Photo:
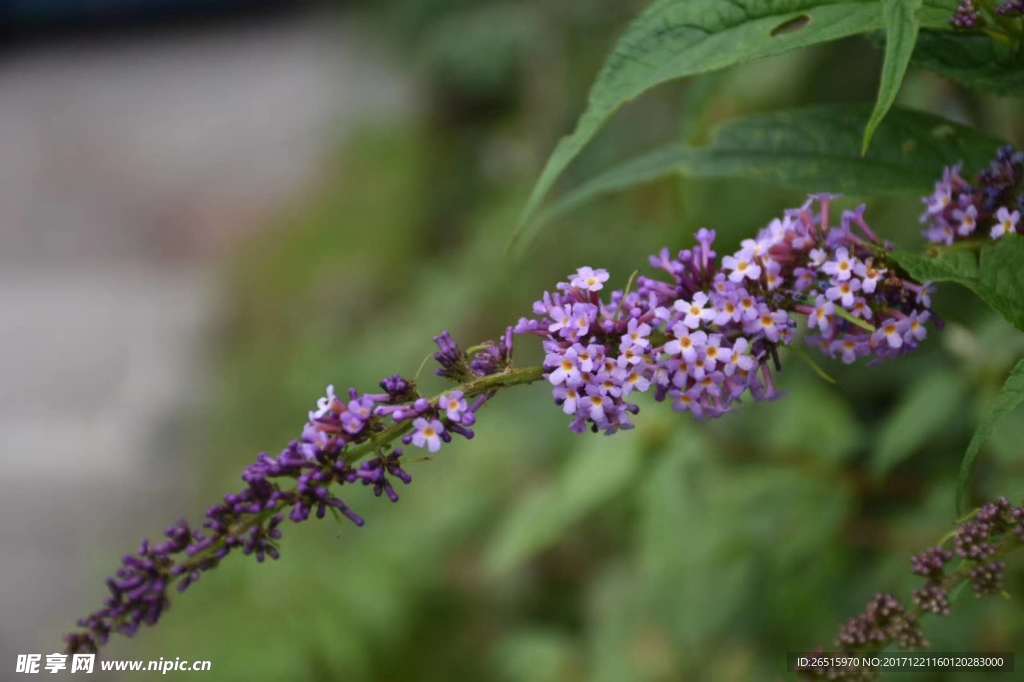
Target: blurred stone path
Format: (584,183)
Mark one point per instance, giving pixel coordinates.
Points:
(128,166)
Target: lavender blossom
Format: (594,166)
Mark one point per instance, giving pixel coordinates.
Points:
(711,334)
(990,206)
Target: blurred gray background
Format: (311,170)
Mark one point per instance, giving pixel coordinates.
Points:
(132,158)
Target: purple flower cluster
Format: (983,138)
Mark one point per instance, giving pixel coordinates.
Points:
(321,460)
(969,16)
(1011,8)
(884,621)
(991,206)
(711,334)
(977,542)
(966,15)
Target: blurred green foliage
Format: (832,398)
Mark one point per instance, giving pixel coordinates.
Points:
(682,550)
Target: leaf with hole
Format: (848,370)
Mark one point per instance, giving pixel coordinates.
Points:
(674,39)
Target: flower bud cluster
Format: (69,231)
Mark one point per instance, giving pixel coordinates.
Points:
(976,542)
(316,464)
(968,15)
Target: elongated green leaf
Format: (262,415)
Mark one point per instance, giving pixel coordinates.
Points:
(677,38)
(973,61)
(1010,396)
(813,149)
(994,271)
(901,28)
(926,408)
(593,475)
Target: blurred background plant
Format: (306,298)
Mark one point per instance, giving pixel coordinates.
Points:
(679,551)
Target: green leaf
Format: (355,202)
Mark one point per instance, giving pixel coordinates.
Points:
(591,476)
(994,271)
(1010,396)
(971,60)
(674,39)
(677,38)
(901,28)
(811,149)
(708,536)
(812,420)
(926,408)
(534,655)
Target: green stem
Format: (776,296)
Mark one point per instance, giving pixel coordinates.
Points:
(846,315)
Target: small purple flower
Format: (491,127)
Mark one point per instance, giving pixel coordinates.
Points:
(561,316)
(845,292)
(772,324)
(917,330)
(564,367)
(568,397)
(636,335)
(842,267)
(869,274)
(740,359)
(967,220)
(695,310)
(742,267)
(589,279)
(427,434)
(685,342)
(715,353)
(821,317)
(594,404)
(1006,223)
(889,333)
(453,404)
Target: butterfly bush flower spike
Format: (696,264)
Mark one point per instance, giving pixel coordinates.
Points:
(702,336)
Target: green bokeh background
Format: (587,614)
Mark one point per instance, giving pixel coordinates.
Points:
(680,551)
